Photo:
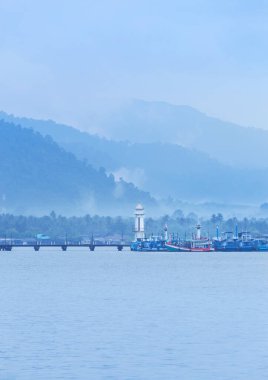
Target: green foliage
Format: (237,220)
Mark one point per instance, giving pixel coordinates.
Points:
(37,175)
(57,226)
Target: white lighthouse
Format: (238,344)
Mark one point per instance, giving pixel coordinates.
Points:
(198,231)
(139,222)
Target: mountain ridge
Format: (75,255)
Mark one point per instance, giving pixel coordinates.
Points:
(163,169)
(152,121)
(141,121)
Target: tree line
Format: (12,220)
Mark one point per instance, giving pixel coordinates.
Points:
(58,226)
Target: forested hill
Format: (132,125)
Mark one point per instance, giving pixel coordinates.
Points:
(38,176)
(163,169)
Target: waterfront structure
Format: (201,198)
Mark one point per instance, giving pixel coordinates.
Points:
(139,222)
(166,232)
(141,243)
(198,231)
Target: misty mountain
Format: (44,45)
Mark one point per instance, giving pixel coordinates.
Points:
(146,122)
(38,176)
(163,169)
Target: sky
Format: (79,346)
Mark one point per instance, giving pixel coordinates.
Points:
(65,60)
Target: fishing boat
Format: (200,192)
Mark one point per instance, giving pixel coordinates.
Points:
(152,244)
(239,242)
(197,244)
(261,244)
(202,245)
(228,242)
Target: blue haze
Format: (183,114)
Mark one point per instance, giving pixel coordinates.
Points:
(187,171)
(61,60)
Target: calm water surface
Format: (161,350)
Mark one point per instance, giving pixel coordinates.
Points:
(110,315)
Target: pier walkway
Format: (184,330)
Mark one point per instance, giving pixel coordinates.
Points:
(64,247)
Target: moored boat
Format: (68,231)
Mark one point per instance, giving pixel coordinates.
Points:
(153,244)
(190,246)
(197,244)
(261,244)
(239,242)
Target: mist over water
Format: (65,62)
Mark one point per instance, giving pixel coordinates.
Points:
(110,315)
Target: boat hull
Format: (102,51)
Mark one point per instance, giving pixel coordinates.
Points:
(148,246)
(175,248)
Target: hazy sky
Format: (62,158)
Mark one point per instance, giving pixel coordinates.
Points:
(61,59)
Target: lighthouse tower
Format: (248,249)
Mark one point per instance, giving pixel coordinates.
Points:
(139,222)
(198,231)
(166,232)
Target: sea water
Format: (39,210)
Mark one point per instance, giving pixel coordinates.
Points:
(110,315)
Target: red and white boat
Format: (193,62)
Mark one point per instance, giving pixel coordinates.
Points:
(198,244)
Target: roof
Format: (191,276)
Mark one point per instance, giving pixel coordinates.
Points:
(139,207)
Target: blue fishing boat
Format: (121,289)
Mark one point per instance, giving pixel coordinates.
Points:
(152,244)
(246,242)
(261,244)
(239,242)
